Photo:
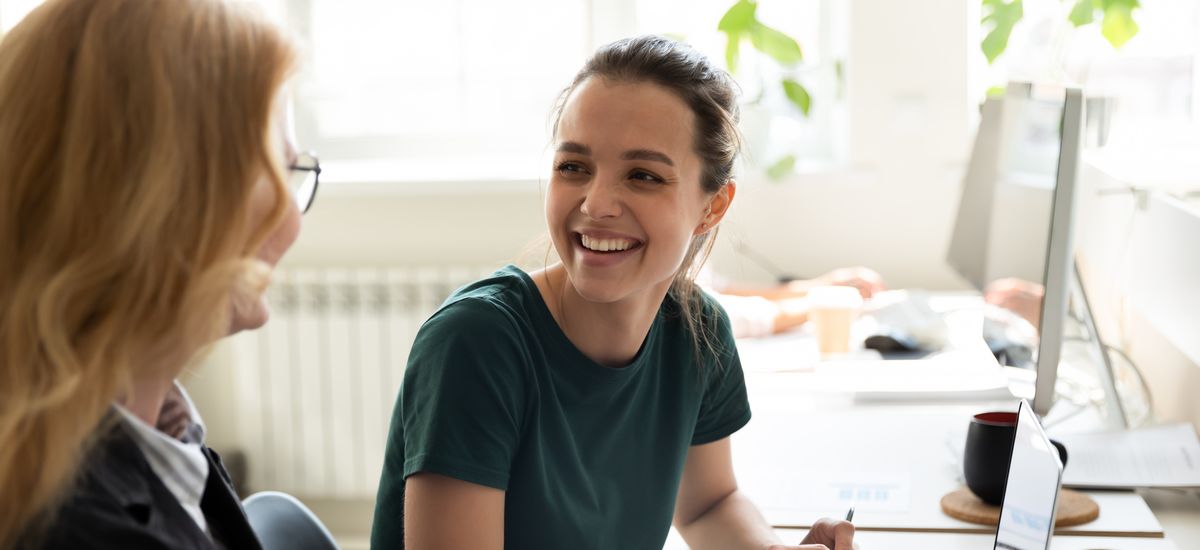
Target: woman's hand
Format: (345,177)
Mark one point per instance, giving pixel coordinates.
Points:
(866,280)
(826,534)
(1021,297)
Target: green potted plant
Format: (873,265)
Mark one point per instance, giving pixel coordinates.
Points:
(1114,16)
(742,27)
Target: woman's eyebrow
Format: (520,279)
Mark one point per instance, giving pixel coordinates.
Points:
(632,154)
(573,147)
(647,154)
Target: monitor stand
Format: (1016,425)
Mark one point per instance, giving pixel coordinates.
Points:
(1115,414)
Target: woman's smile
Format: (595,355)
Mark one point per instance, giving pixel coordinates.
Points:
(604,249)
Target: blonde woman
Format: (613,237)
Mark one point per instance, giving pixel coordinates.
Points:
(146,196)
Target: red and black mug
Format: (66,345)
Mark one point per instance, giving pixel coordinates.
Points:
(988,451)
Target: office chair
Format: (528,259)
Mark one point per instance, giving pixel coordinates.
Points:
(283,522)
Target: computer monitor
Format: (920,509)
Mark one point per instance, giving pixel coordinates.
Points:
(1060,257)
(1018,200)
(968,243)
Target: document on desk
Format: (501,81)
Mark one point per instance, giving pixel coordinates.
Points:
(783,493)
(1157,456)
(916,380)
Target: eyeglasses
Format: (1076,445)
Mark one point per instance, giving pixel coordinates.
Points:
(303,180)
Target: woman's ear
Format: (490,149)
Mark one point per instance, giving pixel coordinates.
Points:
(717,206)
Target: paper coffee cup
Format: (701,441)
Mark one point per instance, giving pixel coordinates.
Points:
(832,310)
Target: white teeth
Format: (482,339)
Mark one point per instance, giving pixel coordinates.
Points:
(605,245)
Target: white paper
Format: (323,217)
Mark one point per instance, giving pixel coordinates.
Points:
(1158,456)
(831,495)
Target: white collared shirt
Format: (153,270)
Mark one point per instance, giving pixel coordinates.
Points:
(181,465)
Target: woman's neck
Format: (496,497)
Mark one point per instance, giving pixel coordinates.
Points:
(610,333)
(148,392)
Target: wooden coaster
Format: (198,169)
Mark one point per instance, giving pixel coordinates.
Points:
(1074,508)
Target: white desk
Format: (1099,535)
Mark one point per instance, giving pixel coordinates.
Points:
(807,455)
(878,540)
(808,452)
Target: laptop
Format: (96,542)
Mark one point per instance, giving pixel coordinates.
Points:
(1031,488)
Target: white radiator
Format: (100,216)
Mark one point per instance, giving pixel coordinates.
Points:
(316,385)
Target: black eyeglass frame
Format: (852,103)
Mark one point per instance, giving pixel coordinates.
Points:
(315,169)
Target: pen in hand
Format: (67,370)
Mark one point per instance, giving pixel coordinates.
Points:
(850,518)
(830,532)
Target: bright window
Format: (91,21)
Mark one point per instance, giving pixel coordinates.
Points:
(434,90)
(1153,75)
(465,89)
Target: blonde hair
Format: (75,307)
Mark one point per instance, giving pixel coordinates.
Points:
(131,135)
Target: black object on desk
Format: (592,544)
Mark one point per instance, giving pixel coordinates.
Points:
(892,341)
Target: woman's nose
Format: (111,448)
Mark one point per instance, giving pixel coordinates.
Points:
(602,200)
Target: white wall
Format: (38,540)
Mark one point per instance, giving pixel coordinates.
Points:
(1140,257)
(419,224)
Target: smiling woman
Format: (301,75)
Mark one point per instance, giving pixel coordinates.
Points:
(590,404)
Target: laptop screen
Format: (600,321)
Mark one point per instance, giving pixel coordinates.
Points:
(1031,491)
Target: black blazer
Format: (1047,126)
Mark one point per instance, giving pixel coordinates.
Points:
(118,502)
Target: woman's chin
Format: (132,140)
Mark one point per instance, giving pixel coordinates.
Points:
(250,318)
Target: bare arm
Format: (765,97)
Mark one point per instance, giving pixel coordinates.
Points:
(867,281)
(790,310)
(792,313)
(711,512)
(445,513)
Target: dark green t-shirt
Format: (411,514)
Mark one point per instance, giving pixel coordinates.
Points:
(588,456)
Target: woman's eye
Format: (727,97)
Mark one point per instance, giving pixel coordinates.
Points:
(645,176)
(570,168)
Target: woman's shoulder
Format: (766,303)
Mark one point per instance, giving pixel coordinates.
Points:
(701,328)
(493,320)
(704,307)
(116,501)
(710,307)
(480,335)
(498,301)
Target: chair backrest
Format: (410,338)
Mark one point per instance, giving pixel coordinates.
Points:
(283,522)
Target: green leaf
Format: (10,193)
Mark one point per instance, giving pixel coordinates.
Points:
(780,46)
(996,91)
(796,93)
(1003,15)
(1104,5)
(740,17)
(1083,13)
(781,167)
(1118,25)
(733,51)
(839,71)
